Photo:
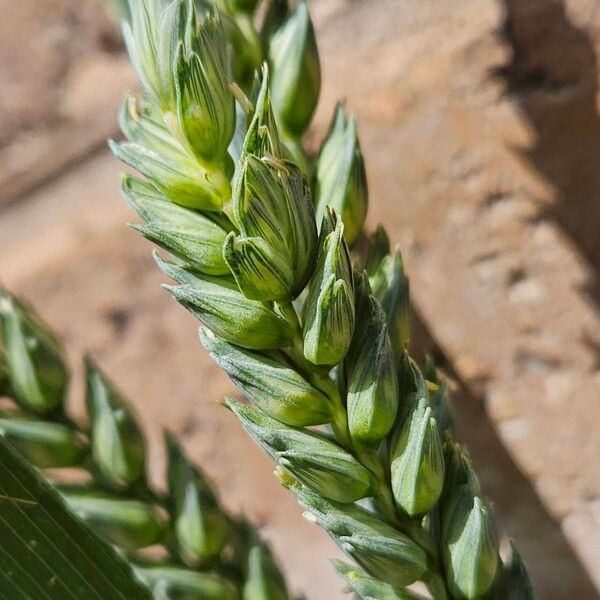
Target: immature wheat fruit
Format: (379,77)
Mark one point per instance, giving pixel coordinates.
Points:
(211,555)
(261,257)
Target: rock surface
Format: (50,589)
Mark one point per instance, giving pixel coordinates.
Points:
(61,73)
(459,169)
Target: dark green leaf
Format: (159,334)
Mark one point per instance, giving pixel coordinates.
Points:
(48,553)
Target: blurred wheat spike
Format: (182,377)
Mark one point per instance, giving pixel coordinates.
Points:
(197,550)
(313,335)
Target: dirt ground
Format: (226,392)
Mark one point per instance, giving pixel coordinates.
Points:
(479,122)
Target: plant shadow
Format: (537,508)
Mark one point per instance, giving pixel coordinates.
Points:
(553,77)
(553,565)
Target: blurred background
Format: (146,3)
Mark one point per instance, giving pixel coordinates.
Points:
(480,123)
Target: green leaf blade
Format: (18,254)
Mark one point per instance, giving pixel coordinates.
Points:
(47,552)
